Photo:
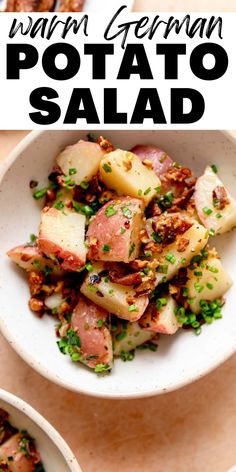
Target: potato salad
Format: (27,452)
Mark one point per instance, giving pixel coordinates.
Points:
(18,452)
(125,250)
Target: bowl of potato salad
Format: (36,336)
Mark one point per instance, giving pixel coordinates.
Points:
(117,256)
(28,443)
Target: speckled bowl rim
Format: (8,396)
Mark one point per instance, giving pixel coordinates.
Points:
(41,369)
(44,425)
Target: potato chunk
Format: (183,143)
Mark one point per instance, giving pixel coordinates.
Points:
(88,321)
(115,298)
(15,457)
(171,259)
(128,337)
(207,281)
(113,234)
(161,320)
(61,237)
(158,158)
(30,258)
(215,206)
(124,172)
(83,157)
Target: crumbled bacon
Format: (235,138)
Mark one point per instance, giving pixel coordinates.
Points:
(178,175)
(105,144)
(182,243)
(120,274)
(182,201)
(36,280)
(153,209)
(220,197)
(170,226)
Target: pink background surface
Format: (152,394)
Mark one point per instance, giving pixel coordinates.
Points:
(192,429)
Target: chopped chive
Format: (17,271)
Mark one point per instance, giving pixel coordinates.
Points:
(156,237)
(218,215)
(122,230)
(198,273)
(207,211)
(158,189)
(72,171)
(59,205)
(33,238)
(147,191)
(110,211)
(185,291)
(40,193)
(160,303)
(211,232)
(140,192)
(199,288)
(170,258)
(84,185)
(131,249)
(126,212)
(213,269)
(182,260)
(214,168)
(89,267)
(121,335)
(106,248)
(132,308)
(107,168)
(100,323)
(101,368)
(210,286)
(162,269)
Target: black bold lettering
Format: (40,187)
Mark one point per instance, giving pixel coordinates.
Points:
(40,98)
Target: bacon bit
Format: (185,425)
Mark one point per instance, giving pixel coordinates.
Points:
(220,197)
(181,244)
(127,280)
(107,195)
(178,175)
(144,236)
(35,281)
(64,308)
(93,248)
(148,163)
(146,287)
(138,264)
(90,197)
(182,201)
(51,195)
(35,304)
(130,300)
(191,207)
(153,209)
(173,289)
(127,164)
(105,144)
(63,330)
(170,226)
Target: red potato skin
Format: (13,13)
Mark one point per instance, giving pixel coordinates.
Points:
(20,462)
(155,155)
(25,256)
(106,231)
(69,261)
(95,341)
(149,320)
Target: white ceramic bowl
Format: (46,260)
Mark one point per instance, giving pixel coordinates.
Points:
(180,359)
(55,454)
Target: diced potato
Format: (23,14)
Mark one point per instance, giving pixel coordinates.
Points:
(159,159)
(88,321)
(215,213)
(29,258)
(171,260)
(124,172)
(163,320)
(134,336)
(61,237)
(114,233)
(207,283)
(115,298)
(83,157)
(15,458)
